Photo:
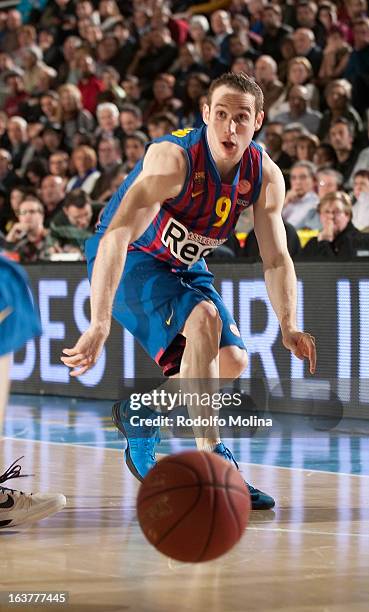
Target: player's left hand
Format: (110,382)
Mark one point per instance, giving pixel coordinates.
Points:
(302,345)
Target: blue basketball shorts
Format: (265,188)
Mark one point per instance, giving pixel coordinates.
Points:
(154,300)
(19,322)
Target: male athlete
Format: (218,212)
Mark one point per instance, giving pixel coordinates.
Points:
(18,323)
(180,202)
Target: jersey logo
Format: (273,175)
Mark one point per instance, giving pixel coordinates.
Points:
(5,313)
(197,193)
(185,246)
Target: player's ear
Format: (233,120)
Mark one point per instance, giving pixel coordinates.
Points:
(259,120)
(206,113)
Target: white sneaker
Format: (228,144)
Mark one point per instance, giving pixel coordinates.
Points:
(18,508)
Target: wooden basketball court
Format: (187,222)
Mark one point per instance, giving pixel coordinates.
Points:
(310,554)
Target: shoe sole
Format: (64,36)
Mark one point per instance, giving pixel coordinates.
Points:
(46,511)
(119,425)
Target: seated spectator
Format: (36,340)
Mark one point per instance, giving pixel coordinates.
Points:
(362,162)
(29,237)
(299,111)
(72,116)
(341,136)
(301,201)
(130,120)
(287,52)
(132,88)
(338,239)
(328,180)
(325,156)
(84,160)
(8,178)
(161,124)
(306,147)
(76,222)
(17,95)
(251,248)
(67,71)
(59,164)
(187,63)
(273,32)
(18,138)
(134,149)
(306,17)
(199,30)
(163,96)
(190,114)
(109,157)
(304,42)
(289,138)
(112,91)
(267,78)
(89,84)
(211,63)
(357,68)
(240,46)
(34,69)
(273,143)
(35,172)
(49,103)
(52,139)
(52,196)
(242,64)
(221,26)
(338,97)
(360,211)
(299,72)
(336,54)
(156,55)
(107,115)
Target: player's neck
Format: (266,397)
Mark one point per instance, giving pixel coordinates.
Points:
(227,172)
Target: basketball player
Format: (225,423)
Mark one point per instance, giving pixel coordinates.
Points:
(18,323)
(180,202)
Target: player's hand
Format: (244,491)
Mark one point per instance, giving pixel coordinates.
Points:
(302,345)
(86,352)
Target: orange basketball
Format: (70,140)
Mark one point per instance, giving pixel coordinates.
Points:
(193,506)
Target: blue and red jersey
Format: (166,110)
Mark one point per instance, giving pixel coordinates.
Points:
(206,211)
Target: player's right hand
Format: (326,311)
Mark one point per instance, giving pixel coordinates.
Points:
(86,351)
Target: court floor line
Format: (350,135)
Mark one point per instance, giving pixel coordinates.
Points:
(309,532)
(119,450)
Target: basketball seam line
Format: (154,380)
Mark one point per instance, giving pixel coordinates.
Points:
(200,484)
(179,520)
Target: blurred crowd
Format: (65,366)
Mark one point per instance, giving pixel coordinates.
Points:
(86,84)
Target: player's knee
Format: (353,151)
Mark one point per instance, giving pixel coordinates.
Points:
(204,320)
(233,362)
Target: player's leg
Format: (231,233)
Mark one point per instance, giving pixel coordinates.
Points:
(21,324)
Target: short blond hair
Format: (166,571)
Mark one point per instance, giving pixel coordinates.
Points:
(342,197)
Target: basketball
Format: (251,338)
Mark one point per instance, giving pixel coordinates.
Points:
(193,506)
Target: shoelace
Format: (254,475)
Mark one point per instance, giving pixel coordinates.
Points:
(13,471)
(227,454)
(146,444)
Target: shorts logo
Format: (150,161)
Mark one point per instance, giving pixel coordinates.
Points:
(177,239)
(5,313)
(244,187)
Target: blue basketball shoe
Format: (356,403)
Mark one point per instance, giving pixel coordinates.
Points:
(259,500)
(141,439)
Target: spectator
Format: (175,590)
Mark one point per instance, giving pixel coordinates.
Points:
(328,180)
(29,237)
(52,136)
(306,17)
(357,68)
(109,157)
(163,96)
(187,63)
(325,156)
(211,63)
(273,142)
(243,64)
(8,178)
(338,98)
(159,53)
(289,138)
(52,196)
(301,200)
(84,161)
(17,134)
(304,42)
(51,53)
(267,78)
(59,164)
(49,103)
(68,72)
(134,149)
(35,171)
(220,22)
(300,72)
(112,91)
(107,115)
(72,116)
(287,52)
(130,120)
(162,17)
(34,69)
(306,147)
(341,136)
(9,38)
(131,86)
(336,54)
(199,30)
(161,124)
(76,222)
(273,31)
(190,113)
(89,85)
(360,212)
(299,111)
(17,95)
(338,239)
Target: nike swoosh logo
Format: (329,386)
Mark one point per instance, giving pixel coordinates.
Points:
(197,193)
(5,313)
(169,319)
(9,503)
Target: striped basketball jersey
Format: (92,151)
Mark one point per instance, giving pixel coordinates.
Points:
(206,211)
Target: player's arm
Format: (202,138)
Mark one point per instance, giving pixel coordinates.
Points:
(162,177)
(279,270)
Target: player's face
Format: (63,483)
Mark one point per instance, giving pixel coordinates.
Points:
(231,122)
